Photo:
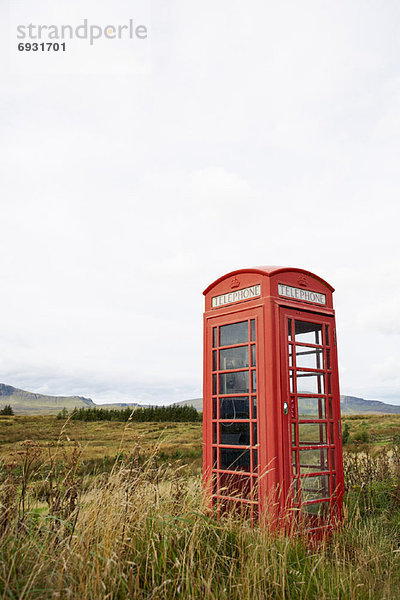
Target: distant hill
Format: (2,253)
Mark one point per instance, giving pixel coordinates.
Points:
(29,403)
(349,405)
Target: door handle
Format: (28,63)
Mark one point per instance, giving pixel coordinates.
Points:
(285,408)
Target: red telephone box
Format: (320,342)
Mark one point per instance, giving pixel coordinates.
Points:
(272,431)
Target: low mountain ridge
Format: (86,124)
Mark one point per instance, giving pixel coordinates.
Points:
(30,403)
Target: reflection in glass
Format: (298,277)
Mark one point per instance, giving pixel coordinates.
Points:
(312,461)
(214,360)
(255,460)
(309,408)
(214,337)
(253,355)
(234,408)
(318,509)
(308,333)
(312,434)
(326,335)
(234,383)
(254,407)
(234,358)
(254,382)
(309,358)
(236,333)
(314,487)
(253,330)
(235,434)
(214,384)
(234,459)
(312,383)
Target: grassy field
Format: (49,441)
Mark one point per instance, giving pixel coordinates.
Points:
(103,440)
(133,526)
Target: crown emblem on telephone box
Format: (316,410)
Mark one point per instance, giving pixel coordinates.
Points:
(302,281)
(235,283)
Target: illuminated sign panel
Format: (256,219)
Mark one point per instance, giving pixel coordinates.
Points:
(298,294)
(237,296)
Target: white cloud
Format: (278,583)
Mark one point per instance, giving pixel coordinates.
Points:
(242,134)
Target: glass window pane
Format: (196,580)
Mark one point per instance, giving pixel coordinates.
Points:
(214,337)
(289,329)
(234,358)
(234,459)
(290,355)
(253,355)
(254,382)
(291,382)
(312,383)
(331,430)
(312,434)
(326,335)
(234,485)
(294,438)
(215,441)
(236,333)
(234,383)
(214,384)
(309,358)
(294,458)
(312,461)
(333,459)
(215,415)
(235,434)
(254,407)
(313,488)
(214,360)
(255,459)
(253,330)
(255,434)
(215,454)
(330,408)
(311,408)
(308,333)
(234,408)
(319,509)
(328,359)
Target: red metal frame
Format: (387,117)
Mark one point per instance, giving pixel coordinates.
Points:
(263,478)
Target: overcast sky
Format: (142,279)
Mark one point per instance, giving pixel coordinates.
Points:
(135,172)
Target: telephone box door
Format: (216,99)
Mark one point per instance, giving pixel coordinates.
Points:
(231,410)
(312,448)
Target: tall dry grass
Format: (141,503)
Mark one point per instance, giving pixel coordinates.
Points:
(140,532)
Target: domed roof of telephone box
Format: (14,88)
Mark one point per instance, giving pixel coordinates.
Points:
(269,271)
